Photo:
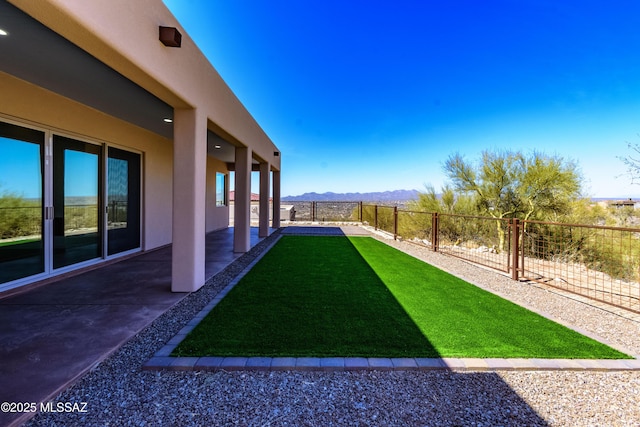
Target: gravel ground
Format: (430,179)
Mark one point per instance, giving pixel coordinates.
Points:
(119,393)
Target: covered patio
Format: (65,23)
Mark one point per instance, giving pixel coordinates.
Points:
(119,143)
(53,334)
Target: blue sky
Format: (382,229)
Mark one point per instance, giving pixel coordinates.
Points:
(24,177)
(21,178)
(373,96)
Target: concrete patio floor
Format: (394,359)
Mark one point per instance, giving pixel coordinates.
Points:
(53,334)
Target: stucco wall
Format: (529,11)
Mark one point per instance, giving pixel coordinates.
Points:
(183,78)
(123,35)
(29,104)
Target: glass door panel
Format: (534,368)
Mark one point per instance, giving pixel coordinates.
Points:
(21,202)
(77,235)
(123,201)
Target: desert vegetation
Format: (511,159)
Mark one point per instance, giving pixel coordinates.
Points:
(21,217)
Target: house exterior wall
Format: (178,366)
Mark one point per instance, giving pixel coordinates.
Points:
(178,178)
(29,104)
(181,77)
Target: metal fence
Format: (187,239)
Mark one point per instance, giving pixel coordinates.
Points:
(481,240)
(322,211)
(601,263)
(18,222)
(81,217)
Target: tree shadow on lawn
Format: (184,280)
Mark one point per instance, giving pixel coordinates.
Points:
(283,307)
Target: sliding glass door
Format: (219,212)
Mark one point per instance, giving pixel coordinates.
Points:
(21,202)
(62,204)
(123,201)
(77,230)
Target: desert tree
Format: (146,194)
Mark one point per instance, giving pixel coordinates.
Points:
(448,201)
(509,184)
(549,186)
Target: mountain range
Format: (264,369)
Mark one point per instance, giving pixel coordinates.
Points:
(380,196)
(389,196)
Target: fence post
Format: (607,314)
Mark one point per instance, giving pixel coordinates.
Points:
(360,206)
(375,217)
(395,223)
(523,229)
(434,231)
(313,211)
(515,250)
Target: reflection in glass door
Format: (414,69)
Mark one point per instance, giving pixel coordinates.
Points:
(77,235)
(21,202)
(123,201)
(52,206)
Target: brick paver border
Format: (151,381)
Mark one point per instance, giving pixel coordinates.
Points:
(330,364)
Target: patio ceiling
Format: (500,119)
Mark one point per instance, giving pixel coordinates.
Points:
(34,53)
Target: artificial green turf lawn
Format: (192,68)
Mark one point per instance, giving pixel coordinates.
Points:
(336,296)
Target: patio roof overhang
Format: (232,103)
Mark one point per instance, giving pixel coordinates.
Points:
(37,54)
(34,53)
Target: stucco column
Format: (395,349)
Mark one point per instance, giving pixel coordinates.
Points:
(242,215)
(189,189)
(275,222)
(263,222)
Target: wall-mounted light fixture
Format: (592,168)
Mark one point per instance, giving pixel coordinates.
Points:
(3,32)
(167,120)
(276,154)
(170,36)
(217,146)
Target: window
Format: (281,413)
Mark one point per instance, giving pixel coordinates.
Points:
(221,189)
